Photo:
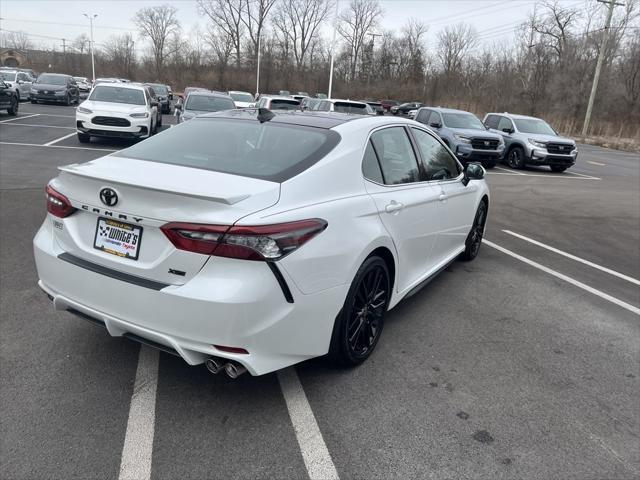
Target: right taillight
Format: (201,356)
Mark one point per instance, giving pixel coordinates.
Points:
(57,204)
(262,242)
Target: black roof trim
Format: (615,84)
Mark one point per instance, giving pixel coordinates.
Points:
(308,119)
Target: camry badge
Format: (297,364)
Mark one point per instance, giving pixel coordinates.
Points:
(109,197)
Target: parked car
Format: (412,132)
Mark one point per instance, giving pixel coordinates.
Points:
(20,82)
(107,80)
(242,99)
(55,87)
(243,252)
(405,108)
(344,106)
(276,102)
(198,103)
(387,104)
(162,95)
(118,110)
(309,103)
(284,93)
(299,97)
(321,96)
(303,94)
(9,100)
(532,141)
(376,106)
(464,134)
(84,85)
(170,90)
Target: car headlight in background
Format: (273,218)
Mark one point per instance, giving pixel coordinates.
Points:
(139,115)
(536,143)
(83,110)
(462,139)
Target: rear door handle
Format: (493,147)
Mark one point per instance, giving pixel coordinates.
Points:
(393,207)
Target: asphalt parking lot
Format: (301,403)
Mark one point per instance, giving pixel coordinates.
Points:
(521,364)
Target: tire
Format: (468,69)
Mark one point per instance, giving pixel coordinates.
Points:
(474,239)
(34,101)
(84,138)
(515,158)
(366,305)
(13,108)
(558,168)
(67,100)
(159,124)
(19,96)
(78,99)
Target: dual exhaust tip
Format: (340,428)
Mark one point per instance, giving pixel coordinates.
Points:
(216,365)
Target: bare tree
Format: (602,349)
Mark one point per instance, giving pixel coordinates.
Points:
(254,19)
(555,25)
(221,45)
(82,43)
(158,23)
(119,51)
(299,21)
(226,16)
(354,23)
(453,44)
(17,40)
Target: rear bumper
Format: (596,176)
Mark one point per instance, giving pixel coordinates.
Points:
(229,302)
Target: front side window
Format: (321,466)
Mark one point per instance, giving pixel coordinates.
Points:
(492,121)
(423,116)
(397,159)
(504,123)
(438,163)
(434,118)
(117,95)
(370,166)
(269,151)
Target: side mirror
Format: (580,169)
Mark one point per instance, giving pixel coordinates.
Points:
(435,125)
(508,130)
(473,171)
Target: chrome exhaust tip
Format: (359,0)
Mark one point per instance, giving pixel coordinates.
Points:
(234,370)
(214,365)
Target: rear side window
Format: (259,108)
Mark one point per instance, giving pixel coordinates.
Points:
(370,166)
(268,151)
(492,121)
(397,160)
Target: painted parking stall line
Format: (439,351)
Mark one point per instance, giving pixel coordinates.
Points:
(39,126)
(138,442)
(19,118)
(566,278)
(20,144)
(52,142)
(314,451)
(574,257)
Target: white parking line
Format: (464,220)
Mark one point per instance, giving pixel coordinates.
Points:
(42,126)
(59,139)
(580,176)
(573,257)
(590,177)
(57,146)
(53,115)
(138,441)
(314,451)
(19,118)
(506,170)
(604,296)
(596,163)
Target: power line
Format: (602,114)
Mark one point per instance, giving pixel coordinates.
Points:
(64,24)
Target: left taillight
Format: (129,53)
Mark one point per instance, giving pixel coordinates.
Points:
(263,242)
(57,204)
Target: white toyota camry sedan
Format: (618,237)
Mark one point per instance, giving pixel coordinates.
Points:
(250,241)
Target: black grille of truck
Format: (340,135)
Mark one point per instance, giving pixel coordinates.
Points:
(484,143)
(111,121)
(560,148)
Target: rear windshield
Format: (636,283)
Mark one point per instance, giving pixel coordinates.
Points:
(462,120)
(117,95)
(52,79)
(242,97)
(347,107)
(208,103)
(160,89)
(268,151)
(282,104)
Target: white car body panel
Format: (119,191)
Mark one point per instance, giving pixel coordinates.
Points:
(227,301)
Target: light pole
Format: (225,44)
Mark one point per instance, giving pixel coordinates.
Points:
(258,70)
(333,47)
(93,63)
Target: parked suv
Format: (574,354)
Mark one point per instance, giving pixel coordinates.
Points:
(532,141)
(18,81)
(464,134)
(344,106)
(8,99)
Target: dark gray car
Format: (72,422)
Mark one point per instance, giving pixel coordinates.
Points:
(464,134)
(162,94)
(55,87)
(198,103)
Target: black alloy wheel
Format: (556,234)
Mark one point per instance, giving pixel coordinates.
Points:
(359,324)
(474,239)
(516,158)
(13,108)
(67,100)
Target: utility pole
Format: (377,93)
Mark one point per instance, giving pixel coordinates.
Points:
(258,69)
(373,42)
(333,47)
(64,46)
(93,63)
(596,77)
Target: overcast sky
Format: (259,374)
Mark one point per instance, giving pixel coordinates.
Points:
(49,21)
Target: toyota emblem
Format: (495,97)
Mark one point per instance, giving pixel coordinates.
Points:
(109,197)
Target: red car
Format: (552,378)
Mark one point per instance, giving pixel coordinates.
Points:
(387,104)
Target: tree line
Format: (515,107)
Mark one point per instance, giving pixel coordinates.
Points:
(547,71)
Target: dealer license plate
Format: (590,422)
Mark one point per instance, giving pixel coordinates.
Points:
(118,238)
